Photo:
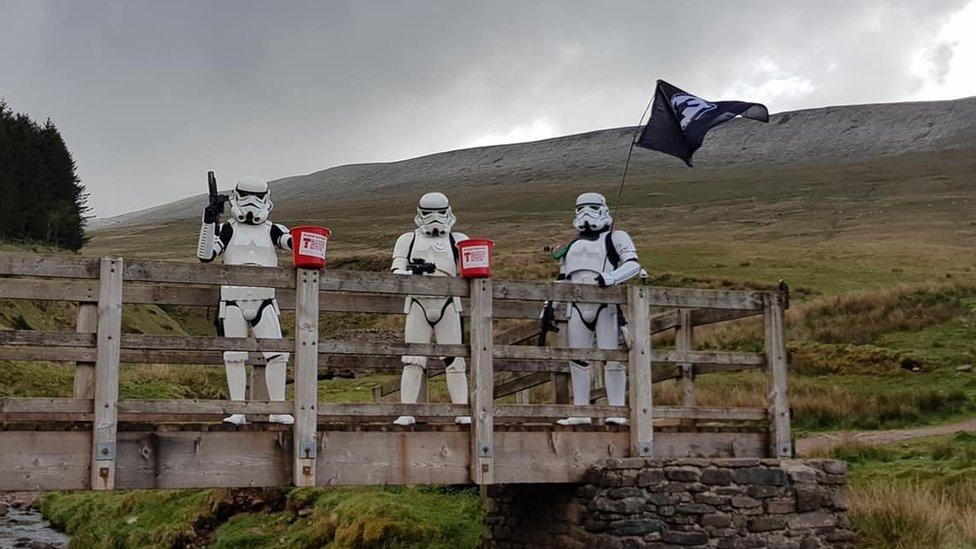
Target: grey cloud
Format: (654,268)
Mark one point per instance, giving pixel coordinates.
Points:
(941,58)
(149,95)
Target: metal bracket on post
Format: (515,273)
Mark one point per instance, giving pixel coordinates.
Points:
(105,451)
(307,449)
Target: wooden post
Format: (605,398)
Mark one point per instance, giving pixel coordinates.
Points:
(522,397)
(107,374)
(561,381)
(684,341)
(482,382)
(424,395)
(87,323)
(259,383)
(639,372)
(598,385)
(306,376)
(781,442)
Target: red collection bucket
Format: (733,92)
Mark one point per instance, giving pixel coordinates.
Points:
(475,257)
(308,246)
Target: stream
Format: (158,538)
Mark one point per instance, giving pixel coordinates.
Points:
(27,528)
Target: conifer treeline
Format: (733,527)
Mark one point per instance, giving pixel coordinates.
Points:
(41,197)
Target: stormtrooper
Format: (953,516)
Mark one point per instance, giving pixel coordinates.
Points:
(598,255)
(248,238)
(431,250)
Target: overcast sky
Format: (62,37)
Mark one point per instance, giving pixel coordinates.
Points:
(150,95)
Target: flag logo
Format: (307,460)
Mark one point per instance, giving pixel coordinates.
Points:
(680,120)
(690,108)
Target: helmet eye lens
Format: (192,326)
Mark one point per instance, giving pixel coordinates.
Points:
(437,211)
(258,195)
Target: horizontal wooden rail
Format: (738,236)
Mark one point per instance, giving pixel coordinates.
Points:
(657,296)
(182,273)
(198,406)
(51,266)
(329,301)
(391,409)
(46,405)
(133,408)
(385,283)
(41,289)
(145,270)
(541,291)
(699,317)
(525,352)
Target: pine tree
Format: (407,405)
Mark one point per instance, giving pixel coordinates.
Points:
(41,197)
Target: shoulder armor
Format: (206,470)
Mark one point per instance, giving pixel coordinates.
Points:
(403,244)
(623,245)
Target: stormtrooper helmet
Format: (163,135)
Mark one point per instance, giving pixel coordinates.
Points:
(434,215)
(251,202)
(592,213)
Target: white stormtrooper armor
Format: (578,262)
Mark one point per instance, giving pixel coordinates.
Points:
(603,256)
(247,239)
(431,250)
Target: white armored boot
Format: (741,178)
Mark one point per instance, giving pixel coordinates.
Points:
(580,375)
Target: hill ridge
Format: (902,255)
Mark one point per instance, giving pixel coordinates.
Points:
(833,134)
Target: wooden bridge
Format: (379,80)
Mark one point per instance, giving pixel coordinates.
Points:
(95,440)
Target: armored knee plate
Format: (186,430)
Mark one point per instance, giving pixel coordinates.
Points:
(454,365)
(235,356)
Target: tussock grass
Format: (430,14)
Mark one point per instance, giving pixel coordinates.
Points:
(913,494)
(860,317)
(823,359)
(910,517)
(855,318)
(825,403)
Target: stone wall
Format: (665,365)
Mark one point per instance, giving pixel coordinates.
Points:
(734,503)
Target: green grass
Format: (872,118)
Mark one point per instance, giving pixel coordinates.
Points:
(391,517)
(920,493)
(314,517)
(159,518)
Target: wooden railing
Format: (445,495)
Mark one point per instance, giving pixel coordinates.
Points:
(98,347)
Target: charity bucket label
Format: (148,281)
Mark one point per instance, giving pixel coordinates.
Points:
(475,257)
(312,245)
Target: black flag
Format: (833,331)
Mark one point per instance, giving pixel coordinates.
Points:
(679,120)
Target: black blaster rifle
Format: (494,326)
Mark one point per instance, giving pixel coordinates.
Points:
(547,323)
(419,266)
(217,201)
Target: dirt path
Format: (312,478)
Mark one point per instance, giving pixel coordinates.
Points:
(825,441)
